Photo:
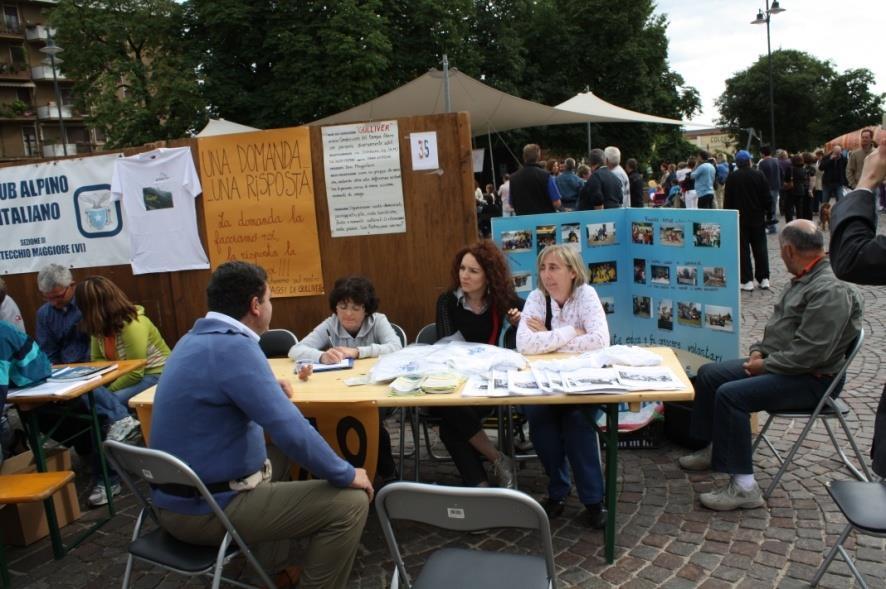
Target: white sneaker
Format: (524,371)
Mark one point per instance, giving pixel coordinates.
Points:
(504,472)
(99,495)
(698,460)
(764,284)
(748,286)
(123,428)
(733,497)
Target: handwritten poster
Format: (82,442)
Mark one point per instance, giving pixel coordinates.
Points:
(363,180)
(259,206)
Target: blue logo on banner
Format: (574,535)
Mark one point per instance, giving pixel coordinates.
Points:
(97,215)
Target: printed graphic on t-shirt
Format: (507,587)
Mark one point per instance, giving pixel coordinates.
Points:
(156,199)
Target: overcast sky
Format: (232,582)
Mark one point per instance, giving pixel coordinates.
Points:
(713,39)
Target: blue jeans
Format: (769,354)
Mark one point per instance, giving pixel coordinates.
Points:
(559,432)
(725,396)
(829,191)
(773,207)
(129,392)
(107,405)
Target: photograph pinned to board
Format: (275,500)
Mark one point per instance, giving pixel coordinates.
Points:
(522,281)
(666,314)
(642,306)
(706,234)
(689,313)
(608,305)
(516,241)
(661,274)
(718,318)
(569,234)
(639,271)
(687,275)
(671,234)
(714,276)
(601,234)
(603,272)
(641,233)
(545,235)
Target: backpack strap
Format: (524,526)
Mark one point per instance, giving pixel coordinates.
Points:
(548,314)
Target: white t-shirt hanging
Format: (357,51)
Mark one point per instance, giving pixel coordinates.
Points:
(158,189)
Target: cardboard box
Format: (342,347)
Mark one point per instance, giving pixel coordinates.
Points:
(25,523)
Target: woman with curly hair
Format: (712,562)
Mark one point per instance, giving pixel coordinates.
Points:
(120,330)
(354,330)
(479,306)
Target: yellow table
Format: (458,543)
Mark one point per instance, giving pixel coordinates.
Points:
(26,406)
(329,388)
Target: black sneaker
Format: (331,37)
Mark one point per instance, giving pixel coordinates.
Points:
(595,516)
(553,507)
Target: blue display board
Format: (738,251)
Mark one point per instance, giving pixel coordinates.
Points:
(666,277)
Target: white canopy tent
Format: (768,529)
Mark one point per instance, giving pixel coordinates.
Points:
(605,112)
(223,127)
(491,110)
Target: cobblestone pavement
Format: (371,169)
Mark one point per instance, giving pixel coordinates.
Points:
(664,538)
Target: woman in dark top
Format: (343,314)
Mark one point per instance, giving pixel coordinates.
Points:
(480,305)
(796,189)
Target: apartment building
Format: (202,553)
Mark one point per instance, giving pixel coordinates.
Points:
(30,126)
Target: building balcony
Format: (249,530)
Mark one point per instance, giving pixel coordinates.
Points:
(50,111)
(14,71)
(44,72)
(58,150)
(38,33)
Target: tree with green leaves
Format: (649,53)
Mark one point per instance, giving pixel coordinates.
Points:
(133,77)
(813,102)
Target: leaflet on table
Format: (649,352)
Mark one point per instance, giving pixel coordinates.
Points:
(320,367)
(46,389)
(463,358)
(71,373)
(494,385)
(583,381)
(644,378)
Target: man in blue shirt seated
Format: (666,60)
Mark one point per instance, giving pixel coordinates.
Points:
(215,402)
(61,339)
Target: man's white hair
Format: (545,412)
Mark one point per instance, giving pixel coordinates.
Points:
(612,155)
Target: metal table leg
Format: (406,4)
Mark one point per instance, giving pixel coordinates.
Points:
(611,479)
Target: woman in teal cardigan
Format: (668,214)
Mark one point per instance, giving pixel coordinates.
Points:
(120,330)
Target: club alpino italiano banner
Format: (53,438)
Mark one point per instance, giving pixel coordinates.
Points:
(60,212)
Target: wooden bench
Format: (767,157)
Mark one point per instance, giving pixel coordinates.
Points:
(30,488)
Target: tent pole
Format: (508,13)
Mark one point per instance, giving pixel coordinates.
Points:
(491,160)
(446,83)
(589,139)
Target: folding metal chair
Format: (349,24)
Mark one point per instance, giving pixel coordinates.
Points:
(829,407)
(275,343)
(427,334)
(864,505)
(401,333)
(160,548)
(468,509)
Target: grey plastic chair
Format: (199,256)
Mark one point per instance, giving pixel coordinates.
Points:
(864,505)
(401,333)
(275,343)
(829,407)
(427,334)
(158,547)
(468,509)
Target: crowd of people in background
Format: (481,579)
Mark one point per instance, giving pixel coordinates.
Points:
(799,184)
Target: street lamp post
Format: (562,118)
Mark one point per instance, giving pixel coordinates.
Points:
(51,49)
(764,18)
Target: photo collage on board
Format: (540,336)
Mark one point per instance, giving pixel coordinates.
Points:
(684,282)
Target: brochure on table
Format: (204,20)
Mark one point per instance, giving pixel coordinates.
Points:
(666,277)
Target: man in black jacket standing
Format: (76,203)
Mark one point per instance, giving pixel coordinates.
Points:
(747,191)
(858,254)
(533,190)
(833,178)
(603,188)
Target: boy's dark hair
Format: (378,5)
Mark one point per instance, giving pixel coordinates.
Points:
(232,286)
(356,289)
(766,150)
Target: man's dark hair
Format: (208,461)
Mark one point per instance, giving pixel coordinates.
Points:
(631,163)
(703,155)
(803,241)
(766,150)
(356,289)
(232,286)
(595,158)
(531,153)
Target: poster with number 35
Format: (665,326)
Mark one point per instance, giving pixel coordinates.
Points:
(424,151)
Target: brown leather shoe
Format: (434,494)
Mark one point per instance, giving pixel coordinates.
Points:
(288,577)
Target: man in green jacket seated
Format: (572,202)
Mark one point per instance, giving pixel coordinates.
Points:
(804,345)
